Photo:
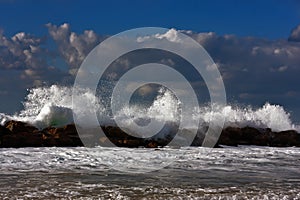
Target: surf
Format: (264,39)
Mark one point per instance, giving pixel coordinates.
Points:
(52,106)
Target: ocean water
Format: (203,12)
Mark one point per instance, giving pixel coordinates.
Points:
(138,173)
(195,173)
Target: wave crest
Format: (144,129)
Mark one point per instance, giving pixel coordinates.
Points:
(52,106)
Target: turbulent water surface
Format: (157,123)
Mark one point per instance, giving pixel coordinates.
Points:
(119,173)
(196,173)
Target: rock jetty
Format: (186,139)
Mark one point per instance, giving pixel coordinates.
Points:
(16,134)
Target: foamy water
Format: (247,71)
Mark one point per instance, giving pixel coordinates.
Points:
(52,106)
(196,173)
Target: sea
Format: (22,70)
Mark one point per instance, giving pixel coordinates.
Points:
(196,173)
(243,172)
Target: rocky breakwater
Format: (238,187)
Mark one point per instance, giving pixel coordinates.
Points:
(233,136)
(17,134)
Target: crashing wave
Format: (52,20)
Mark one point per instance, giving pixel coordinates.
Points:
(52,106)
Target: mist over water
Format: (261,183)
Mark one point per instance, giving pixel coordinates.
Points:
(52,106)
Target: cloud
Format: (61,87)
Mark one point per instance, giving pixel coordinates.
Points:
(21,51)
(295,34)
(282,68)
(36,64)
(171,35)
(25,54)
(71,46)
(28,61)
(254,70)
(248,59)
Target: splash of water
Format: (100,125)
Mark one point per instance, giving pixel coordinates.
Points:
(164,108)
(52,106)
(268,116)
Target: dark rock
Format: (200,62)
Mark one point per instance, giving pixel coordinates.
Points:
(198,140)
(152,144)
(114,132)
(229,136)
(20,134)
(22,139)
(285,139)
(253,136)
(233,136)
(3,132)
(120,138)
(62,137)
(132,143)
(17,127)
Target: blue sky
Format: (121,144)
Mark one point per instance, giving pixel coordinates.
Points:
(247,39)
(268,18)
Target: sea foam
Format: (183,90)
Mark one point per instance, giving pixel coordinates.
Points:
(52,106)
